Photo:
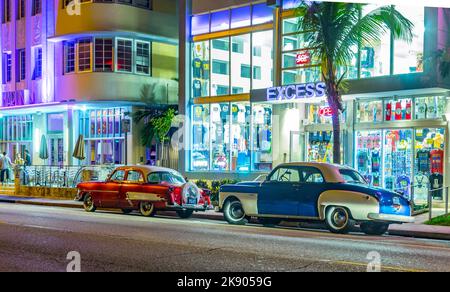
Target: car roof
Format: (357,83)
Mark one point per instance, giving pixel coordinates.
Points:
(330,171)
(147,169)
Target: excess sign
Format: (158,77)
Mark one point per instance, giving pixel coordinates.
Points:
(299,91)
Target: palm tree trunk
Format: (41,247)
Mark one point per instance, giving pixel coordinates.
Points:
(336,136)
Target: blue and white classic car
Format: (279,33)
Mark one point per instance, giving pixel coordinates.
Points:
(336,195)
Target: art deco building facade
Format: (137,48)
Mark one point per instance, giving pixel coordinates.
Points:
(78,70)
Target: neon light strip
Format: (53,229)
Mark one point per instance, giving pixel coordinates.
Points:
(417,3)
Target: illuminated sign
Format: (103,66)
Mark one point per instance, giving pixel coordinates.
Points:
(303,58)
(326,111)
(299,91)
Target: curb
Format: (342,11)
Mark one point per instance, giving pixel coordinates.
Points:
(46,204)
(420,234)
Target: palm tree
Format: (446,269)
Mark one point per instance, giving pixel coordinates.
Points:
(335,29)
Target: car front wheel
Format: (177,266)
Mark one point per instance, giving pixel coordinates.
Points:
(184,214)
(374,228)
(234,213)
(88,203)
(147,209)
(338,220)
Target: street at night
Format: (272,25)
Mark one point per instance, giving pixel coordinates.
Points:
(35,238)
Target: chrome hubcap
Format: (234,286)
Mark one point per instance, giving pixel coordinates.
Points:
(147,207)
(236,211)
(89,202)
(339,218)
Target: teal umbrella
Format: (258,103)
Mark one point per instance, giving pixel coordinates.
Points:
(78,152)
(43,149)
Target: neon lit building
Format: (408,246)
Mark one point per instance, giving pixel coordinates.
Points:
(236,53)
(65,74)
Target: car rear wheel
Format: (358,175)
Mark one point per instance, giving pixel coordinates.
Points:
(127,211)
(184,214)
(234,213)
(338,220)
(374,228)
(269,222)
(88,203)
(147,209)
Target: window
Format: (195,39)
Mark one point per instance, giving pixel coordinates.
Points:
(84,55)
(36,7)
(311,175)
(222,90)
(351,176)
(37,72)
(220,67)
(118,176)
(408,56)
(262,137)
(245,71)
(220,20)
(134,176)
(172,178)
(240,134)
(257,51)
(7,67)
(200,24)
(124,55)
(154,178)
(22,65)
(103,55)
(221,44)
(200,137)
(257,73)
(143,57)
(220,138)
(284,174)
(240,17)
(262,14)
(200,69)
(237,90)
(69,57)
(238,44)
(20,9)
(142,3)
(262,61)
(369,111)
(6,15)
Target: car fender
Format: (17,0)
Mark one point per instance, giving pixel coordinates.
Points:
(141,196)
(249,201)
(359,204)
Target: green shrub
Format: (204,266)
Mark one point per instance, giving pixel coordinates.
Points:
(203,184)
(215,187)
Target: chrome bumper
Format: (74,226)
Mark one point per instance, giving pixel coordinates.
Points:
(391,218)
(190,207)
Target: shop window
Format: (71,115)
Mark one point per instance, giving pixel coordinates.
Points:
(200,24)
(257,73)
(429,164)
(262,14)
(290,25)
(398,153)
(240,60)
(220,136)
(262,157)
(320,147)
(398,110)
(408,56)
(264,42)
(200,137)
(430,107)
(220,67)
(200,69)
(369,156)
(220,20)
(375,57)
(240,17)
(240,137)
(290,4)
(369,112)
(296,41)
(256,51)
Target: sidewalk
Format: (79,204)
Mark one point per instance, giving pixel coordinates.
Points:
(418,229)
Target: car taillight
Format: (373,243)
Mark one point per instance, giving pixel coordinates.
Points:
(176,195)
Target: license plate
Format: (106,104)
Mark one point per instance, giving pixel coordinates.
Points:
(192,201)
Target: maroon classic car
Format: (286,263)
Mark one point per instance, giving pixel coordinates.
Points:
(144,188)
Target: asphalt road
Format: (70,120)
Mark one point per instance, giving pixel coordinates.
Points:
(35,238)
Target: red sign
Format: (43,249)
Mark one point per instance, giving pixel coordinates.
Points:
(326,112)
(303,58)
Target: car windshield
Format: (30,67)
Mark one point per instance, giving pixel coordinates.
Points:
(351,176)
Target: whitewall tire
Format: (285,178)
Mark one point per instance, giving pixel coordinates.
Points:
(338,219)
(234,213)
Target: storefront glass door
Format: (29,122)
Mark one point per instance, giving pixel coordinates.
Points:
(368,156)
(397,160)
